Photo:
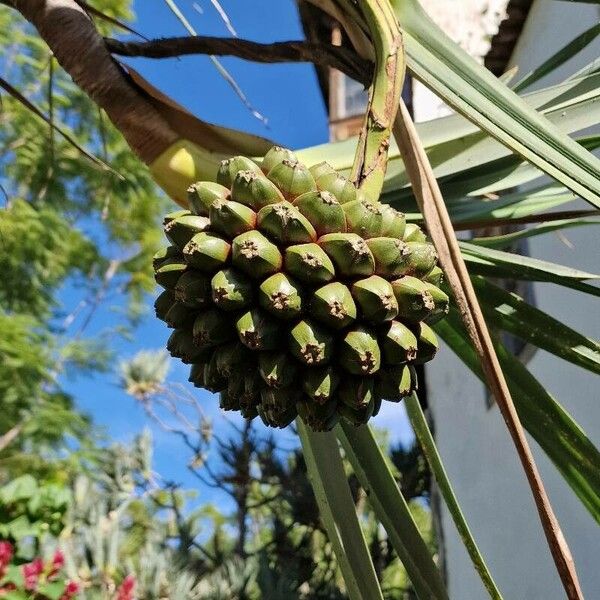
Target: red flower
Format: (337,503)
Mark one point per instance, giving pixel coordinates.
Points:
(70,590)
(126,589)
(32,572)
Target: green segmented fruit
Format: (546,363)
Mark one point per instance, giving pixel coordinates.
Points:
(193,289)
(232,358)
(281,296)
(257,331)
(375,297)
(181,230)
(324,212)
(228,401)
(321,169)
(309,263)
(435,277)
(415,301)
(212,328)
(207,252)
(421,260)
(398,344)
(181,345)
(275,156)
(231,218)
(286,224)
(277,407)
(319,417)
(277,369)
(230,167)
(164,254)
(254,254)
(163,303)
(350,254)
(235,389)
(201,195)
(394,222)
(169,272)
(310,343)
(176,214)
(357,416)
(213,380)
(197,374)
(320,383)
(359,352)
(345,291)
(391,256)
(413,233)
(441,304)
(427,343)
(180,316)
(356,392)
(292,178)
(231,290)
(395,383)
(336,184)
(255,190)
(333,305)
(364,218)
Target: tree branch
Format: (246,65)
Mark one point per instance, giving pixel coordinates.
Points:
(80,50)
(326,55)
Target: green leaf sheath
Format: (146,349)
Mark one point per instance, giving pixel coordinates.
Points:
(390,507)
(421,429)
(371,158)
(561,438)
(330,485)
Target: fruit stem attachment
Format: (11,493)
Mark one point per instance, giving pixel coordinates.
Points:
(370,160)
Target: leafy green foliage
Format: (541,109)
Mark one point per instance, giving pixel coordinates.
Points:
(72,234)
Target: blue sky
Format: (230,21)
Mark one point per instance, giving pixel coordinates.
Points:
(288,96)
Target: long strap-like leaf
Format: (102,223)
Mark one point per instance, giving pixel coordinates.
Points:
(474,92)
(329,482)
(391,509)
(561,438)
(440,228)
(421,429)
(511,313)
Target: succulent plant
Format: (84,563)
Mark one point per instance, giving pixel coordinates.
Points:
(290,293)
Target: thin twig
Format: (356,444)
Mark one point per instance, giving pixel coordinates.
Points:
(326,55)
(440,228)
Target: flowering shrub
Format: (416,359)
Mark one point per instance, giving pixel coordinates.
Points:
(45,580)
(35,580)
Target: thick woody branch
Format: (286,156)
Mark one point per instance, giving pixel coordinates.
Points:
(327,55)
(81,51)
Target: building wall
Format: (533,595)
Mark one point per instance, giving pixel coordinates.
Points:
(473,439)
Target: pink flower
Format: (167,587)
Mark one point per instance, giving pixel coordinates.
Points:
(6,554)
(71,589)
(126,589)
(58,562)
(32,572)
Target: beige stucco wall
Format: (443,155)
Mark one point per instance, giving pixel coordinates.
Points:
(470,23)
